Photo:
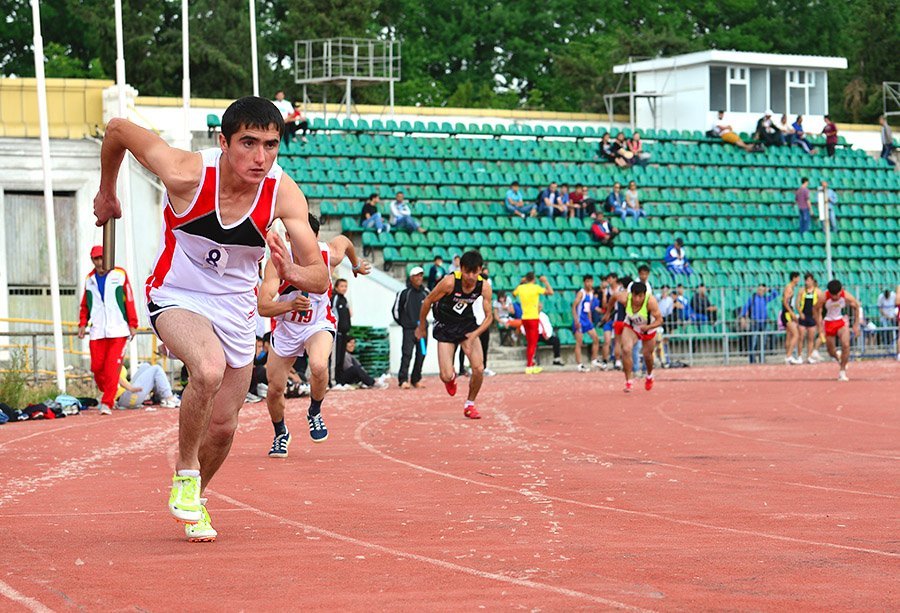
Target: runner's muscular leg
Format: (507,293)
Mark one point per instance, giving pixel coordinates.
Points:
(578,342)
(831,346)
(626,340)
(446,353)
(191,337)
(649,347)
(224,421)
(473,351)
(318,348)
(277,371)
(595,347)
(845,347)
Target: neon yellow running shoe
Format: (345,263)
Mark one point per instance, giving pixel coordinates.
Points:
(202,531)
(184,499)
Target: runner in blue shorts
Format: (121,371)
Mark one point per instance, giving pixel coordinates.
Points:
(582,316)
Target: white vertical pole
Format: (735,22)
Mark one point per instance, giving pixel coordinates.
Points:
(348,98)
(253,52)
(186,73)
(391,74)
(125,172)
(48,196)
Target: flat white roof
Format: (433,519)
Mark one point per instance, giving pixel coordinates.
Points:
(716,56)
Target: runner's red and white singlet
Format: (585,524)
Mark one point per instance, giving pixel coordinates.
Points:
(199,254)
(320,304)
(834,306)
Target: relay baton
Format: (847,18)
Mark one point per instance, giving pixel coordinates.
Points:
(109,244)
(423,346)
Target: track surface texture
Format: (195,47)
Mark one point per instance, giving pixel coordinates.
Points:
(768,488)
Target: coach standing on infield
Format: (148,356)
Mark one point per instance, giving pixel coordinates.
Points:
(406,313)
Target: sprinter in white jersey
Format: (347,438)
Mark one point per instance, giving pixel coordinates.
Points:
(219,205)
(304,325)
(831,308)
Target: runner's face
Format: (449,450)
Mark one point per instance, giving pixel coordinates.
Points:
(470,277)
(252,152)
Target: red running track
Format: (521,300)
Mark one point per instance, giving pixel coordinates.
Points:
(741,489)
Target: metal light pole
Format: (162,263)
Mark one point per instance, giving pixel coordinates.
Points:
(125,173)
(253,52)
(49,211)
(825,218)
(186,74)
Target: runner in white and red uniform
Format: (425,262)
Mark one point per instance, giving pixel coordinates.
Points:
(201,295)
(642,319)
(304,325)
(832,306)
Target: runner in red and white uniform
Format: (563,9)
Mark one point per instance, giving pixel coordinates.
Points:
(642,318)
(201,295)
(304,325)
(832,306)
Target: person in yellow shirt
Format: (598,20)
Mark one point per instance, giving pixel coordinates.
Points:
(529,294)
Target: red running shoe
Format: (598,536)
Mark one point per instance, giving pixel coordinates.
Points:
(629,385)
(648,383)
(471,412)
(451,386)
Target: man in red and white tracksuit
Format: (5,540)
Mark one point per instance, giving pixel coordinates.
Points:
(108,304)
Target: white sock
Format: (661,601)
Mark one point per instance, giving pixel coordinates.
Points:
(188,473)
(469,403)
(650,376)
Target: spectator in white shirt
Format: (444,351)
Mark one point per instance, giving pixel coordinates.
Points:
(284,106)
(666,303)
(401,216)
(887,312)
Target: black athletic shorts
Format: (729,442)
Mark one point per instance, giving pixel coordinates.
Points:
(807,322)
(786,316)
(452,332)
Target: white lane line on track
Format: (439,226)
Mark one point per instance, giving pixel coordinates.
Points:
(651,462)
(648,514)
(535,585)
(92,422)
(29,603)
(665,415)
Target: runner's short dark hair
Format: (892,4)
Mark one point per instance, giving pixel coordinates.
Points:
(471,260)
(638,288)
(314,224)
(251,112)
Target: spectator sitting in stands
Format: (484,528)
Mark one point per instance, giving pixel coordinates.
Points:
(633,203)
(454,266)
(785,126)
(564,198)
(615,202)
(515,204)
(590,206)
(620,148)
(296,122)
(548,202)
(767,132)
(703,309)
(602,230)
(636,147)
(676,259)
(401,216)
(576,202)
(607,151)
(831,136)
(681,303)
(436,272)
(721,129)
(283,106)
(799,137)
(371,216)
(887,140)
(353,372)
(504,316)
(666,302)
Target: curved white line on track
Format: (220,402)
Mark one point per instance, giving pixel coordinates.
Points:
(843,417)
(665,415)
(59,429)
(29,603)
(693,469)
(601,507)
(535,585)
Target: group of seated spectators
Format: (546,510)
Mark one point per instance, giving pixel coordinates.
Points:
(623,152)
(401,215)
(558,201)
(771,133)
